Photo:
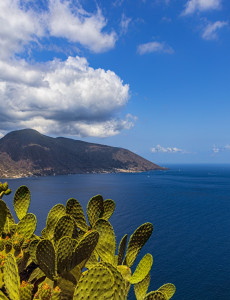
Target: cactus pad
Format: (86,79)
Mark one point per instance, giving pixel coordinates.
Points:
(125,272)
(96,283)
(54,215)
(95,209)
(46,258)
(3,215)
(142,269)
(107,244)
(64,227)
(168,289)
(67,284)
(109,207)
(21,201)
(36,274)
(64,253)
(27,226)
(11,277)
(92,261)
(32,250)
(121,249)
(2,296)
(25,291)
(141,288)
(84,249)
(9,222)
(73,208)
(56,293)
(155,296)
(119,286)
(137,241)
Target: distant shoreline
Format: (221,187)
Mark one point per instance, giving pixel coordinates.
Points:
(118,171)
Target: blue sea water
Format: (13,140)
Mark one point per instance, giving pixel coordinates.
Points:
(189,206)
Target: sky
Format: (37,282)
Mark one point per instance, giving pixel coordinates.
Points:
(151,76)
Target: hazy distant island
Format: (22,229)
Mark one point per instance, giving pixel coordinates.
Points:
(27,152)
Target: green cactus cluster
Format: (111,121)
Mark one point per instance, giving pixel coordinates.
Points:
(73,258)
(4,190)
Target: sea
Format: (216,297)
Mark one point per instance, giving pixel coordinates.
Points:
(188,205)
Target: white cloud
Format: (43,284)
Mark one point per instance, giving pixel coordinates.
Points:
(166,19)
(216,149)
(79,26)
(18,27)
(118,2)
(21,25)
(161,149)
(201,5)
(210,31)
(154,47)
(79,128)
(62,96)
(125,21)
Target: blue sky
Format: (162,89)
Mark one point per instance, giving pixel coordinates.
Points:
(151,76)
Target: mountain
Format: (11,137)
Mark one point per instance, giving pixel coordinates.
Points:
(29,153)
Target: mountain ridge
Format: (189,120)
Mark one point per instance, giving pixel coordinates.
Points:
(27,152)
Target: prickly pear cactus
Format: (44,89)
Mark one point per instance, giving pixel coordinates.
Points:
(64,227)
(71,259)
(21,201)
(65,250)
(137,241)
(46,258)
(3,215)
(141,288)
(2,296)
(155,296)
(121,250)
(106,246)
(142,269)
(84,249)
(27,226)
(4,190)
(168,290)
(73,208)
(109,207)
(54,215)
(96,283)
(11,277)
(25,290)
(95,209)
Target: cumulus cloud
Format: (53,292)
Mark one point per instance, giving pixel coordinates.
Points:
(22,24)
(154,47)
(63,96)
(18,27)
(79,26)
(161,149)
(201,5)
(59,96)
(210,30)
